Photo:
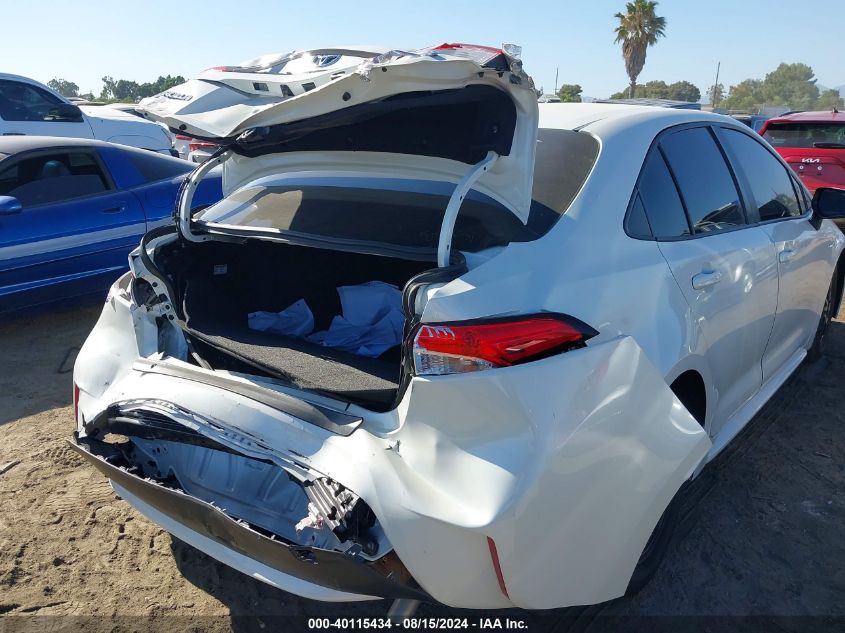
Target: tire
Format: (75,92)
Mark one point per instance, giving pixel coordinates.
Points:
(655,548)
(817,350)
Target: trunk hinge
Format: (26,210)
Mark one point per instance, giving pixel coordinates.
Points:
(444,246)
(186,196)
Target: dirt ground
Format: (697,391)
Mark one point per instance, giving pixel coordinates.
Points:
(766,539)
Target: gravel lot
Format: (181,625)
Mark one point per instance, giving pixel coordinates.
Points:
(765,540)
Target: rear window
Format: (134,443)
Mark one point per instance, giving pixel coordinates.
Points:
(153,166)
(806,135)
(409,213)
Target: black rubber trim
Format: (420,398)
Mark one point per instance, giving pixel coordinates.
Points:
(151,425)
(333,421)
(149,264)
(336,570)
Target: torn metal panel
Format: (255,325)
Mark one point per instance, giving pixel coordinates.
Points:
(341,571)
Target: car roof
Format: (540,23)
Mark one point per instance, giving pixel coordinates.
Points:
(823,116)
(15,144)
(18,77)
(600,117)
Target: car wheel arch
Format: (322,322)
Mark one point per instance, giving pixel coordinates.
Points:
(690,389)
(691,373)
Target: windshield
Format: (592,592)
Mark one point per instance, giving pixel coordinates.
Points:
(806,135)
(409,213)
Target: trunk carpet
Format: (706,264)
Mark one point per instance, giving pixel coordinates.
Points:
(367,381)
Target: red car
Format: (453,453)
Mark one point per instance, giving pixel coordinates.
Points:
(813,143)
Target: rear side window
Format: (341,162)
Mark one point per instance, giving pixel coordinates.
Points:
(771,184)
(154,166)
(563,163)
(660,199)
(706,185)
(55,177)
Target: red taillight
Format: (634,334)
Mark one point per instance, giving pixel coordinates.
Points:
(201,145)
(182,137)
(448,348)
(75,403)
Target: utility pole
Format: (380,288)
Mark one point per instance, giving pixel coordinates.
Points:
(715,86)
(556,72)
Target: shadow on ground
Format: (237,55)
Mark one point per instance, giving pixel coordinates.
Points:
(37,358)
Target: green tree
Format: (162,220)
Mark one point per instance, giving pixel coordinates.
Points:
(108,88)
(570,93)
(684,91)
(126,90)
(64,87)
(625,93)
(791,85)
(159,85)
(678,91)
(746,95)
(830,99)
(639,27)
(716,94)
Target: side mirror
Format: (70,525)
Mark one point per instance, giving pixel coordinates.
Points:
(10,205)
(829,203)
(64,112)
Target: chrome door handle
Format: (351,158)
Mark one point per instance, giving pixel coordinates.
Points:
(705,279)
(786,256)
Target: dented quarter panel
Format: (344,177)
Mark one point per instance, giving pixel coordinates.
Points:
(506,453)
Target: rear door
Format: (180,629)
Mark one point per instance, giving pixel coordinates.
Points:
(74,232)
(803,254)
(29,110)
(725,268)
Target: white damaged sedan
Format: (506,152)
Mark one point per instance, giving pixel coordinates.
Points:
(593,301)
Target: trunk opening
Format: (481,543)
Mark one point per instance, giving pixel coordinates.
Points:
(219,283)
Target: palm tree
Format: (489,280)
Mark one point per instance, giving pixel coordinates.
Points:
(638,29)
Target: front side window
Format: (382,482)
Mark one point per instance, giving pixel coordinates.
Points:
(806,135)
(706,185)
(24,102)
(771,184)
(54,177)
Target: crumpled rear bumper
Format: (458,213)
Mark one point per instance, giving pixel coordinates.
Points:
(565,464)
(338,571)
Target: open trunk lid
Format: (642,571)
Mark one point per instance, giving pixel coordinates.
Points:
(430,114)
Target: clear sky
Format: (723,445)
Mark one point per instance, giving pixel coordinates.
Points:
(141,39)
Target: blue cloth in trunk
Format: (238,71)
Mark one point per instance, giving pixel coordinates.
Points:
(371,322)
(295,320)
